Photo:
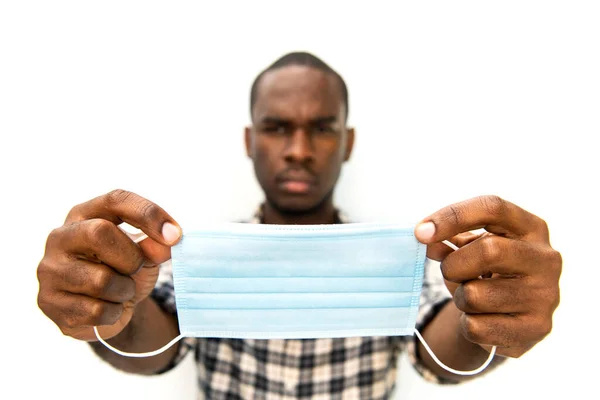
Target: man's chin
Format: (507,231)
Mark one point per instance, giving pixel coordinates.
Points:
(297,205)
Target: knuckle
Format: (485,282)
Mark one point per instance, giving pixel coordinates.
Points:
(471,296)
(149,211)
(548,296)
(75,213)
(102,313)
(456,214)
(117,196)
(96,312)
(138,260)
(66,330)
(546,327)
(43,271)
(101,282)
(54,240)
(43,304)
(99,229)
(471,329)
(555,298)
(70,321)
(542,328)
(55,234)
(490,249)
(493,205)
(556,261)
(543,227)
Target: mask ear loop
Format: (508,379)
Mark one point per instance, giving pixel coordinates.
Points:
(141,236)
(137,355)
(441,364)
(137,236)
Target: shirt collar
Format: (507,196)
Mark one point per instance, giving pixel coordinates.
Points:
(341,216)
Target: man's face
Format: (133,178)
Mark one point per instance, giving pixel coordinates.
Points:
(299,138)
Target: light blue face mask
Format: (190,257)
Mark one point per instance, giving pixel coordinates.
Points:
(257,281)
(294,282)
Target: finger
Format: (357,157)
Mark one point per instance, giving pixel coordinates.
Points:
(121,206)
(489,212)
(494,254)
(488,296)
(101,241)
(95,280)
(155,252)
(71,311)
(438,251)
(503,330)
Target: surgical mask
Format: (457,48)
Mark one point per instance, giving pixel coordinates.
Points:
(258,281)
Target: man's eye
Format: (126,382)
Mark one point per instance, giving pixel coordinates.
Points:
(324,129)
(276,129)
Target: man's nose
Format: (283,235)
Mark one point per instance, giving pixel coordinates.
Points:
(299,148)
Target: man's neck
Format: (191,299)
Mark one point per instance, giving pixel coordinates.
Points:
(322,215)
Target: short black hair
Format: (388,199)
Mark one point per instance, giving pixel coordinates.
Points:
(299,58)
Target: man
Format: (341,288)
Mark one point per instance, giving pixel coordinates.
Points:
(504,283)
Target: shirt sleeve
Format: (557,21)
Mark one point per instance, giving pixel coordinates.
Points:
(434,296)
(164,295)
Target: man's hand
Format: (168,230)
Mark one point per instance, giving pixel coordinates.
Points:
(93,274)
(506,280)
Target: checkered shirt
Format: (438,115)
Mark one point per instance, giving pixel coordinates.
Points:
(338,368)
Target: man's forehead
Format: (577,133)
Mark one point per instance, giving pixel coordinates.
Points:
(296,77)
(298,89)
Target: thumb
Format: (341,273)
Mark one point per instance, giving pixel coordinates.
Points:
(438,250)
(154,252)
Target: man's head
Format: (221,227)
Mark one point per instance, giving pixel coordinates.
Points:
(298,140)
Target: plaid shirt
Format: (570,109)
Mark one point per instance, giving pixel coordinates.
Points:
(338,368)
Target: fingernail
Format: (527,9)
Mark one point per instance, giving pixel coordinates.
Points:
(170,232)
(425,231)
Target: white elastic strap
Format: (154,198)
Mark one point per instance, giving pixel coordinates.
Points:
(140,238)
(450,244)
(455,371)
(441,364)
(135,234)
(178,338)
(138,355)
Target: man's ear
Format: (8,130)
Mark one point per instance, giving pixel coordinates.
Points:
(248,140)
(349,143)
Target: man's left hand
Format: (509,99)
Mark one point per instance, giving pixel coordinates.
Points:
(506,280)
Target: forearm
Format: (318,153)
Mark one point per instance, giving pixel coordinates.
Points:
(444,337)
(150,328)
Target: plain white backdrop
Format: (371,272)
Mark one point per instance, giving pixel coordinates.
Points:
(449,99)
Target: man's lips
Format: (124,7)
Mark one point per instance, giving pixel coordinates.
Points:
(295,186)
(297,182)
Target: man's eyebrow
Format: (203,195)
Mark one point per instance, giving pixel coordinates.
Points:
(324,120)
(269,119)
(274,120)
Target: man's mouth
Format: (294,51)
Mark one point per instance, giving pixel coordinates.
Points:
(296,186)
(296,182)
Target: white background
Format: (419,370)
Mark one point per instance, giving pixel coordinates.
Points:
(450,100)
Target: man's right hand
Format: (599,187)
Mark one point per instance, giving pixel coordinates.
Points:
(93,274)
